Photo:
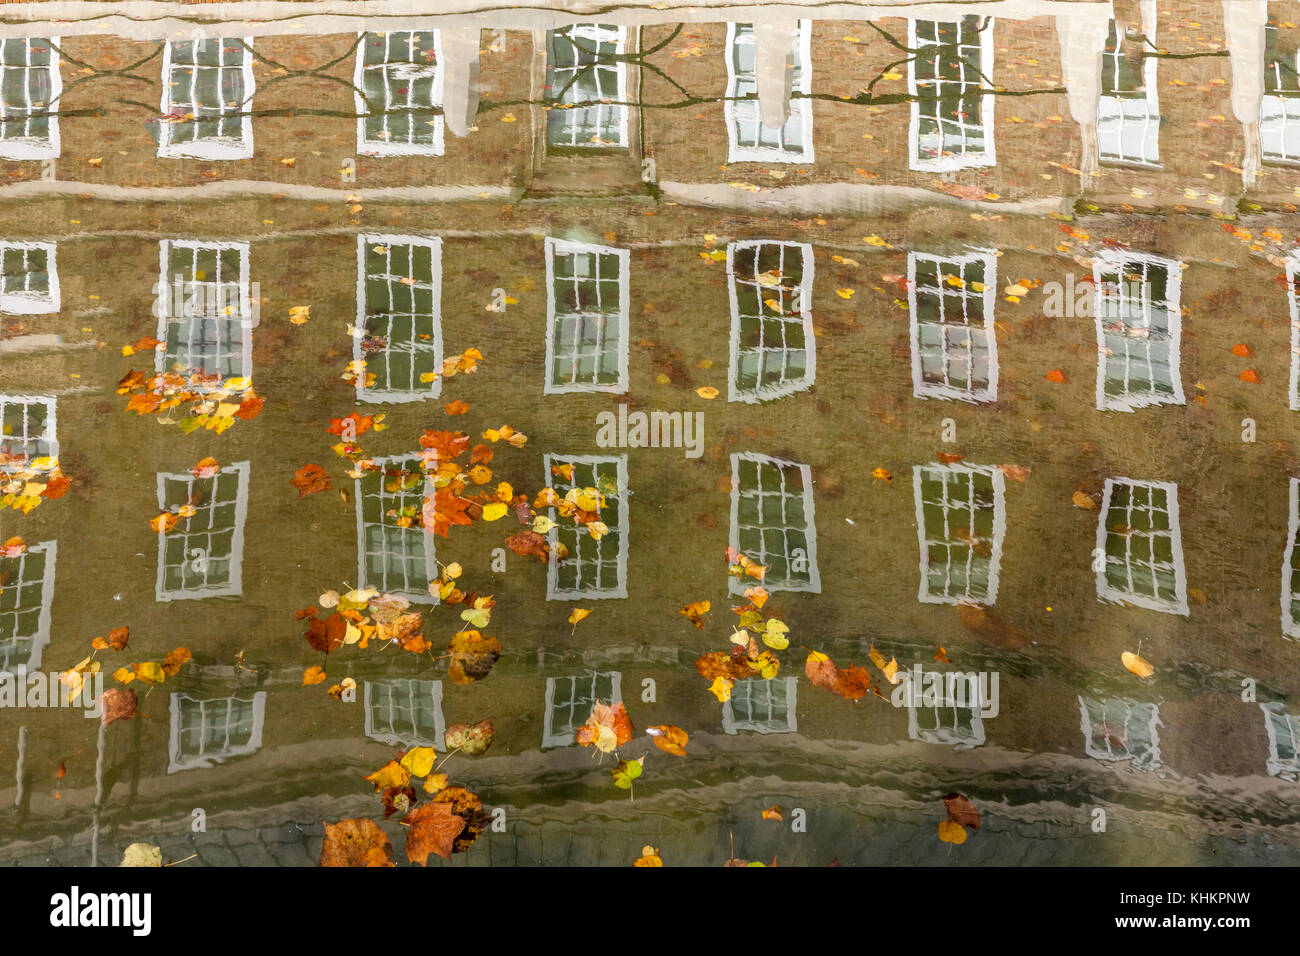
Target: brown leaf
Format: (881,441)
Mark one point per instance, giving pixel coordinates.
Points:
(961,810)
(171,664)
(326,635)
(433,829)
(472,656)
(118,705)
(851,683)
(529,544)
(310,479)
(357,842)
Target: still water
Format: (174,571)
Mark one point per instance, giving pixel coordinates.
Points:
(557,436)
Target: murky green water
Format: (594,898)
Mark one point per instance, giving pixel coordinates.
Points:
(974,336)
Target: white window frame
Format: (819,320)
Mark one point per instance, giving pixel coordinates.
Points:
(924,595)
(415,595)
(987,120)
(211,148)
(1133,710)
(943,734)
(167,291)
(786,724)
(1291,620)
(600,33)
(234,586)
(1288,768)
(416,393)
(565,247)
(736,585)
(410,687)
(1293,307)
(802,300)
(1111,595)
(34,147)
(924,389)
(41,636)
(176,761)
(1279,114)
(553,591)
(50,435)
(27,303)
(391,73)
(1119,263)
(1113,120)
(553,738)
(801,107)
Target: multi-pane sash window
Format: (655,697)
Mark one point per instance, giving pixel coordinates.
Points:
(1128,111)
(207,99)
(202,556)
(1139,547)
(405,712)
(750,140)
(399,103)
(28,430)
(29,278)
(587,317)
(951,722)
(954,348)
(1279,112)
(1283,741)
(594,567)
(585,76)
(772,521)
(773,352)
(26,589)
(206,314)
(1117,729)
(952,120)
(569,701)
(1139,326)
(1291,566)
(961,521)
(29,98)
(395,554)
(204,732)
(761,706)
(399,317)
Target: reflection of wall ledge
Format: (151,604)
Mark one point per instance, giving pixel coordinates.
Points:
(147,19)
(238,188)
(842,199)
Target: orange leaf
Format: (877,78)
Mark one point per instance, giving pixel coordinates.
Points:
(1244,350)
(1058,376)
(1250,375)
(313,675)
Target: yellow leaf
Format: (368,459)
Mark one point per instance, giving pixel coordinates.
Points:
(950,832)
(1137,665)
(419,760)
(707,391)
(150,672)
(649,857)
(579,614)
(721,688)
(494,511)
(844,293)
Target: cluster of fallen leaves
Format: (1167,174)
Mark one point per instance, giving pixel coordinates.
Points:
(852,682)
(356,373)
(361,615)
(120,704)
(608,727)
(746,659)
(192,401)
(165,521)
(26,483)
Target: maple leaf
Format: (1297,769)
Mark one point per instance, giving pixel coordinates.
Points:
(357,842)
(310,479)
(360,424)
(444,509)
(446,445)
(433,829)
(472,656)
